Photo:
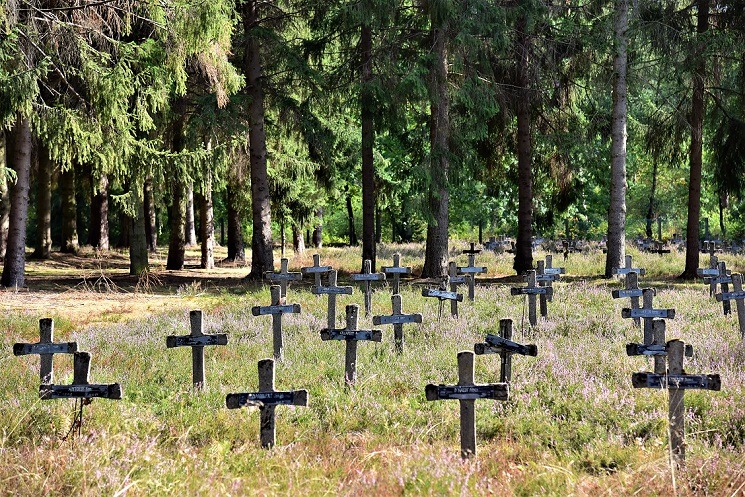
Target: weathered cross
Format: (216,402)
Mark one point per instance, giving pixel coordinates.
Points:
(531,291)
(647,313)
(284,276)
(677,382)
(454,279)
(332,291)
(657,348)
(367,277)
(46,348)
(80,387)
(547,274)
(442,295)
(737,294)
(266,399)
(631,291)
(472,270)
(466,391)
(316,269)
(276,309)
(197,341)
(711,273)
(629,268)
(351,335)
(396,271)
(397,319)
(503,345)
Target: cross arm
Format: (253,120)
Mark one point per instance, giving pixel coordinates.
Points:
(44,348)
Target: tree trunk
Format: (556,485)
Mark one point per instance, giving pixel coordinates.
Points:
(652,193)
(125,230)
(190,235)
(723,202)
(262,256)
(436,247)
(616,244)
(99,232)
(318,231)
(43,247)
(151,229)
(207,226)
(69,209)
(19,159)
(350,217)
(524,244)
(138,252)
(177,239)
(236,252)
(4,197)
(298,244)
(695,153)
(368,141)
(378,225)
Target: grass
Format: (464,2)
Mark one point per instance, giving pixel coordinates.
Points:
(573,425)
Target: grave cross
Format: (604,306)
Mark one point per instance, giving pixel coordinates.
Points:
(454,279)
(711,273)
(351,335)
(316,269)
(648,314)
(531,291)
(397,319)
(677,382)
(332,291)
(631,291)
(466,391)
(396,270)
(266,399)
(628,268)
(505,347)
(549,275)
(657,348)
(472,270)
(284,276)
(197,341)
(80,387)
(737,294)
(46,348)
(277,309)
(442,294)
(367,277)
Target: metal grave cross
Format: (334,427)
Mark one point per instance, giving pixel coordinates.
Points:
(631,291)
(351,335)
(657,348)
(737,294)
(80,387)
(531,291)
(629,268)
(46,348)
(472,270)
(397,319)
(396,271)
(503,345)
(647,313)
(197,341)
(367,277)
(466,391)
(284,276)
(266,399)
(277,309)
(332,291)
(676,381)
(316,269)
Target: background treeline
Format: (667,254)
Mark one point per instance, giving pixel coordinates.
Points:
(142,124)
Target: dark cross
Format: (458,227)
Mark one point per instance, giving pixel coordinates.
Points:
(351,335)
(277,309)
(677,382)
(332,291)
(706,228)
(505,347)
(396,270)
(544,280)
(657,349)
(316,269)
(397,319)
(80,388)
(197,341)
(283,276)
(656,248)
(629,268)
(531,291)
(442,295)
(648,314)
(367,277)
(472,270)
(737,294)
(631,291)
(46,348)
(454,279)
(266,399)
(466,391)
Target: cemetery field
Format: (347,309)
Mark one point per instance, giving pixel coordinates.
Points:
(573,424)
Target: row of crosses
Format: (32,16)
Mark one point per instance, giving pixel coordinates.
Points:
(718,274)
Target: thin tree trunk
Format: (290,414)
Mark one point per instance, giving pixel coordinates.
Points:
(262,256)
(69,243)
(177,240)
(99,232)
(695,154)
(43,248)
(318,231)
(617,211)
(298,244)
(652,193)
(378,225)
(368,141)
(207,226)
(4,197)
(151,229)
(350,217)
(723,202)
(523,246)
(138,252)
(190,235)
(236,252)
(19,159)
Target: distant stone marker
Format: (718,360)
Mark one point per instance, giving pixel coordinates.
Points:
(647,313)
(45,348)
(284,276)
(466,391)
(266,399)
(737,295)
(397,319)
(276,310)
(472,270)
(332,291)
(395,271)
(531,291)
(503,345)
(197,341)
(316,269)
(80,387)
(351,335)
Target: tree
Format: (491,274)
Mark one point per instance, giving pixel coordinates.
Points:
(43,203)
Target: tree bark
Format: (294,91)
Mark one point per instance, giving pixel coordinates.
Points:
(43,249)
(652,193)
(318,231)
(350,217)
(368,141)
(207,226)
(151,229)
(190,235)
(4,197)
(69,209)
(524,243)
(236,252)
(616,244)
(177,239)
(99,232)
(698,111)
(19,159)
(262,255)
(138,252)
(298,244)
(436,246)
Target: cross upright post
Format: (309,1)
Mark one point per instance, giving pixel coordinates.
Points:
(648,313)
(332,291)
(531,291)
(396,270)
(551,274)
(351,335)
(367,276)
(737,294)
(80,387)
(472,270)
(284,276)
(197,340)
(724,281)
(454,280)
(316,269)
(45,348)
(397,319)
(505,347)
(277,309)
